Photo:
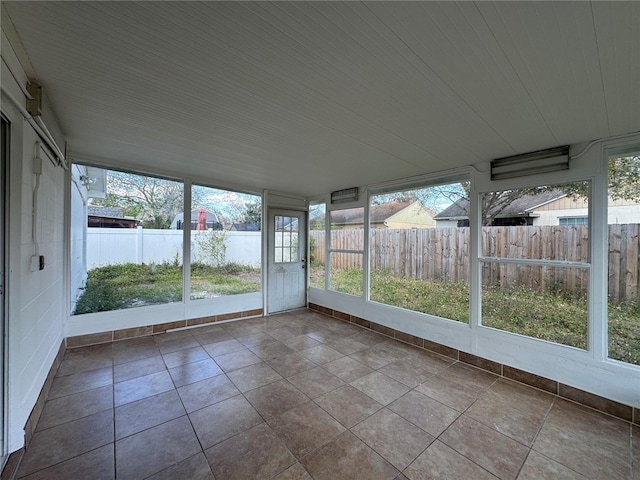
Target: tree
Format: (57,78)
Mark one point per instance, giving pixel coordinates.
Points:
(624,184)
(253,214)
(151,200)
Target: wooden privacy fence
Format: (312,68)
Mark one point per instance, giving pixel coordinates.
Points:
(443,253)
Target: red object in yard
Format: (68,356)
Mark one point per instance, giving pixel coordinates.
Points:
(202,220)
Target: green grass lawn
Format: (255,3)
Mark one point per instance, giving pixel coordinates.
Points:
(556,316)
(130,285)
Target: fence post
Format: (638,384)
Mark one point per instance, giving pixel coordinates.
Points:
(139,245)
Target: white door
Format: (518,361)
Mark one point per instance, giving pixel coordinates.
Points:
(286,261)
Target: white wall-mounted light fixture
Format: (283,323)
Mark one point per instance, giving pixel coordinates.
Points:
(344,196)
(542,161)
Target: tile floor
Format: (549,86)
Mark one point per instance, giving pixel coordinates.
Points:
(301,395)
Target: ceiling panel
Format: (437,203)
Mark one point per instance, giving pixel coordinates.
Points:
(309,97)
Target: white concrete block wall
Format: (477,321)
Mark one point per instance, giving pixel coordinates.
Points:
(36,299)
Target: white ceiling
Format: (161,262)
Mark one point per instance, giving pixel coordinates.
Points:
(307,98)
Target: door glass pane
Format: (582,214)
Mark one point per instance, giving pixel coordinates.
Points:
(226,250)
(286,239)
(624,267)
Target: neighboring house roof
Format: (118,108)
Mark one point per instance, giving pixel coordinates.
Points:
(521,206)
(108,217)
(244,227)
(377,213)
(211,219)
(107,212)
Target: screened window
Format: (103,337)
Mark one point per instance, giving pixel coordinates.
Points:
(419,256)
(346,251)
(225,242)
(535,269)
(317,245)
(124,242)
(623,213)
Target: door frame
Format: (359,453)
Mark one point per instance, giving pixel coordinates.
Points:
(303,250)
(4,328)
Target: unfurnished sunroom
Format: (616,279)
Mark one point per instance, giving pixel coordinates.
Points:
(501,138)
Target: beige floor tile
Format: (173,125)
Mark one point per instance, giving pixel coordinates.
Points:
(347,457)
(305,428)
(586,441)
(238,359)
(469,376)
(522,397)
(301,342)
(271,350)
(96,464)
(294,472)
(291,364)
(188,355)
(450,393)
(494,412)
(153,450)
(425,412)
(378,355)
(407,372)
(347,369)
(396,440)
(348,405)
(222,420)
(346,346)
(194,372)
(440,462)
(538,466)
(192,468)
(254,453)
(493,451)
(253,376)
(142,387)
(275,398)
(381,388)
(137,416)
(72,407)
(138,368)
(315,382)
(321,354)
(223,347)
(81,382)
(66,441)
(207,392)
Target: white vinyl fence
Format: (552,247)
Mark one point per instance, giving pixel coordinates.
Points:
(108,246)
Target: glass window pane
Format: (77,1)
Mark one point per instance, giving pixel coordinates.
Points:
(624,267)
(317,245)
(346,273)
(347,229)
(541,223)
(225,242)
(286,240)
(549,303)
(125,245)
(419,255)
